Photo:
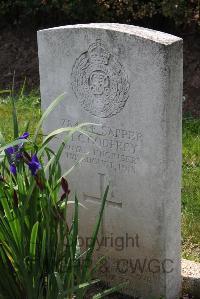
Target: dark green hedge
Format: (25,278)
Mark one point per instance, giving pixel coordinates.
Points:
(181,12)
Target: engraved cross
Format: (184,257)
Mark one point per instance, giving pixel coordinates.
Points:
(112,202)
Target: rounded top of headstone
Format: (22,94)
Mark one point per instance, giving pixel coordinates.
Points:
(140,32)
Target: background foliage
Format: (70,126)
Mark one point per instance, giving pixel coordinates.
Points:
(179,12)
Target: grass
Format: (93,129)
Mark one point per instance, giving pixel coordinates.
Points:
(191,189)
(28,108)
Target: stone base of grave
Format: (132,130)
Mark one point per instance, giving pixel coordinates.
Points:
(191,279)
(190,285)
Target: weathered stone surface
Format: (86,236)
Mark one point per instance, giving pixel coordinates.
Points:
(129,80)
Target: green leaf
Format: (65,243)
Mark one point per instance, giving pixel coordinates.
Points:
(69,170)
(33,240)
(83,286)
(75,227)
(22,89)
(57,132)
(94,236)
(110,291)
(70,131)
(43,246)
(67,129)
(2,156)
(59,284)
(2,140)
(15,121)
(46,113)
(26,127)
(10,219)
(5,91)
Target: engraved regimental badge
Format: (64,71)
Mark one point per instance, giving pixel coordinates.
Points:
(99,81)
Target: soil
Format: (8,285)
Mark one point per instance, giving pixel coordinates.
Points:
(18,55)
(191,91)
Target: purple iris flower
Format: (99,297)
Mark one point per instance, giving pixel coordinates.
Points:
(24,136)
(18,156)
(34,165)
(13,169)
(15,153)
(10,151)
(15,150)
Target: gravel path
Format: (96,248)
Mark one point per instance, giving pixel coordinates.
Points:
(191,279)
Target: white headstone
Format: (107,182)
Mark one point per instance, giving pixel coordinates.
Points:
(129,80)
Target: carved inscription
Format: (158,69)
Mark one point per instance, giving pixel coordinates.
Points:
(99,81)
(114,148)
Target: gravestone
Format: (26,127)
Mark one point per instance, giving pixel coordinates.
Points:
(128,80)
